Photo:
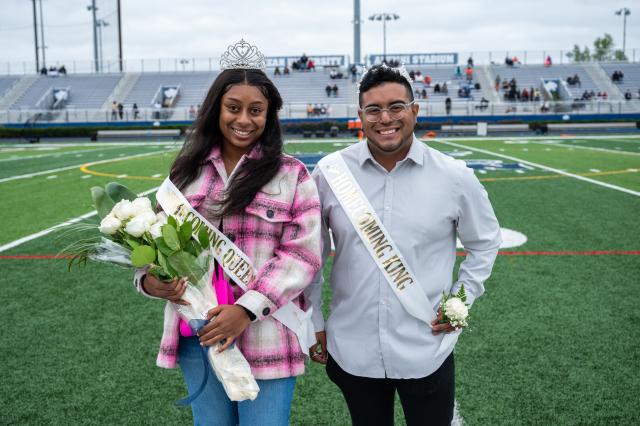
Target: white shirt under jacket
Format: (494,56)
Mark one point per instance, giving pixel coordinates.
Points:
(422,202)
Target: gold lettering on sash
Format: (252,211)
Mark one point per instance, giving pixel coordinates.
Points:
(397,272)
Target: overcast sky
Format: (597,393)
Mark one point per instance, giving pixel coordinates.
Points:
(203,28)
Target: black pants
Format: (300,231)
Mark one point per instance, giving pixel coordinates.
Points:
(425,401)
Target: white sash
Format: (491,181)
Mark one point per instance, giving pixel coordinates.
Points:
(376,238)
(234,262)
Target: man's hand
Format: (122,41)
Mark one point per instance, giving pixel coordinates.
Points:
(230,321)
(437,328)
(170,290)
(318,352)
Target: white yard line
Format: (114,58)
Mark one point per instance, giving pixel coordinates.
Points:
(58,154)
(44,232)
(591,148)
(540,166)
(77,166)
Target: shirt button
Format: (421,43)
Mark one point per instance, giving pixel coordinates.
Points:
(232,237)
(270,214)
(266,311)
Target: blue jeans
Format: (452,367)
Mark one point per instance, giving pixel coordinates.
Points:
(213,407)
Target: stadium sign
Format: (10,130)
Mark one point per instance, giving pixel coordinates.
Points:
(318,60)
(418,58)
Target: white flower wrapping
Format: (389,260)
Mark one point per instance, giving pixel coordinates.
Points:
(230,366)
(136,219)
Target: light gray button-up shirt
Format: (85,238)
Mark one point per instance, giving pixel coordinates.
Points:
(423,202)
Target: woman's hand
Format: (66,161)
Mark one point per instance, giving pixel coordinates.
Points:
(171,290)
(230,321)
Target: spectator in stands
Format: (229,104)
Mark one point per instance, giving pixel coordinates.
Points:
(627,95)
(328,89)
(497,81)
(192,113)
(469,73)
(427,80)
(157,107)
(114,110)
(458,73)
(617,77)
(444,89)
(309,110)
(412,75)
(417,94)
(120,110)
(136,111)
(354,73)
(470,62)
(334,89)
(525,94)
(424,93)
(418,75)
(296,65)
(531,93)
(311,66)
(43,71)
(303,61)
(547,62)
(436,88)
(62,70)
(544,107)
(574,80)
(508,61)
(276,72)
(447,106)
(515,61)
(286,71)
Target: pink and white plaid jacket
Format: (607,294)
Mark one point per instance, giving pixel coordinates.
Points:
(280,232)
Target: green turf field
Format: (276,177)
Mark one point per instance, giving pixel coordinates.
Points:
(555,339)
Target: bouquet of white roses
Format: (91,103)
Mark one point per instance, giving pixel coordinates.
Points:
(134,235)
(454,309)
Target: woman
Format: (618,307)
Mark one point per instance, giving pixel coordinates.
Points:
(232,170)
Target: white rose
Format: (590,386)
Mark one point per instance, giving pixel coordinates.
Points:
(455,309)
(161,218)
(110,225)
(141,205)
(156,230)
(136,226)
(123,210)
(148,217)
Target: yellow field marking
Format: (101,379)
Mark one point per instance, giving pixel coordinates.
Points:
(85,169)
(612,172)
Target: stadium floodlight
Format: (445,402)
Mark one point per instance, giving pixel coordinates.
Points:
(384,17)
(93,9)
(624,12)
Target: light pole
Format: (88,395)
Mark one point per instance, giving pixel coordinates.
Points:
(624,12)
(101,23)
(93,9)
(384,17)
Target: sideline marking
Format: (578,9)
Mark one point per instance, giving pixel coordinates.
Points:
(93,163)
(56,154)
(459,253)
(44,232)
(540,166)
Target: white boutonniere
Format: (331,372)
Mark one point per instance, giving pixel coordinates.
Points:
(454,309)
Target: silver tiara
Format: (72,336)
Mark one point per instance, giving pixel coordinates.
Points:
(242,55)
(401,70)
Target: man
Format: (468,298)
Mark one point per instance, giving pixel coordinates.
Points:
(372,345)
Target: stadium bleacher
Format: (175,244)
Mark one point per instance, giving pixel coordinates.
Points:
(92,94)
(87,90)
(6,82)
(631,80)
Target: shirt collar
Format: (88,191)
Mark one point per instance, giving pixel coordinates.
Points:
(415,154)
(216,153)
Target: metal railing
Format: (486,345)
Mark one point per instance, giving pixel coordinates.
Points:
(558,56)
(299,111)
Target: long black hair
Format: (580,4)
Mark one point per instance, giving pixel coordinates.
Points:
(205,133)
